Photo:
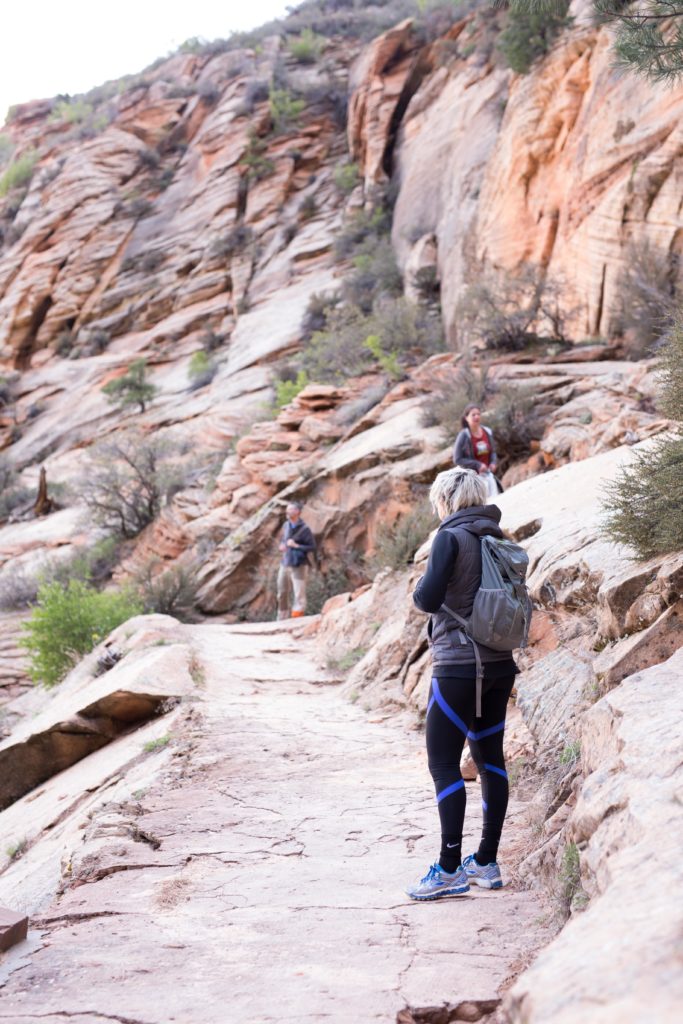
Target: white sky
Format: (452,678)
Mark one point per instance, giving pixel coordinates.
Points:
(70,46)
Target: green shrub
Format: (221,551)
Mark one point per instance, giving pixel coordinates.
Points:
(307,47)
(396,334)
(17,849)
(529,34)
(646,298)
(158,744)
(569,892)
(388,361)
(19,172)
(571,753)
(318,309)
(643,506)
(73,111)
(132,388)
(257,164)
(13,494)
(348,660)
(284,109)
(307,207)
(375,273)
(201,370)
(287,390)
(346,177)
(68,622)
(396,544)
(361,225)
(93,564)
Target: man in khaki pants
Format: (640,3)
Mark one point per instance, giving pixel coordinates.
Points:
(296,540)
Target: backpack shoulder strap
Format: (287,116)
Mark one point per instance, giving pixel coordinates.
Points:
(477,658)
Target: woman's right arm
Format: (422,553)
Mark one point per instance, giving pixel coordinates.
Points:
(430,589)
(462,452)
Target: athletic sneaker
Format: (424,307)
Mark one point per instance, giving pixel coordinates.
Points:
(485,875)
(437,883)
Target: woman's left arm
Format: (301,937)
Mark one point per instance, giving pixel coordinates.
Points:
(430,590)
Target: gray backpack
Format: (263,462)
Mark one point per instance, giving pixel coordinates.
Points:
(501,614)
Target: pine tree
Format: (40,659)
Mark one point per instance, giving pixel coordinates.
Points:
(648,34)
(644,506)
(131,389)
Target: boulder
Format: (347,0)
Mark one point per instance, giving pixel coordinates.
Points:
(92,708)
(618,959)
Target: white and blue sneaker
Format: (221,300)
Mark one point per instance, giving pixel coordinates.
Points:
(485,875)
(437,883)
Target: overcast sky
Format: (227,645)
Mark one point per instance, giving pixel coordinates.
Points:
(69,46)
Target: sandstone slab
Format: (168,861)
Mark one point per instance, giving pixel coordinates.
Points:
(618,960)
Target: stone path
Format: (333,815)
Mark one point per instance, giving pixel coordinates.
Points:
(260,878)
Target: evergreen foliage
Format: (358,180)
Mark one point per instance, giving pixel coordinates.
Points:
(643,507)
(132,388)
(648,36)
(287,390)
(530,32)
(646,297)
(68,622)
(201,371)
(307,47)
(19,172)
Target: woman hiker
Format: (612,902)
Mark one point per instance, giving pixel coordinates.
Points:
(453,575)
(474,448)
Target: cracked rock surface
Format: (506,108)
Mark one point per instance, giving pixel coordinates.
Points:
(258,874)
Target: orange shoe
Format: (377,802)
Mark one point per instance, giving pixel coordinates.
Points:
(297,614)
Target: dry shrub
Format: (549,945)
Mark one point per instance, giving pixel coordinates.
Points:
(397,543)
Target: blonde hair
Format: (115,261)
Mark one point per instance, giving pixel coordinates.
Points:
(455,489)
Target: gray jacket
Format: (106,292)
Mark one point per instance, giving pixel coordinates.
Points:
(463,453)
(449,644)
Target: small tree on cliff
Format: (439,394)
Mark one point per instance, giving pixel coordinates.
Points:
(131,389)
(129,480)
(644,506)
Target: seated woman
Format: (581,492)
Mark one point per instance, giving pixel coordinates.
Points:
(474,449)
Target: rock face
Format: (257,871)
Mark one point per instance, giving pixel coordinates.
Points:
(518,173)
(608,963)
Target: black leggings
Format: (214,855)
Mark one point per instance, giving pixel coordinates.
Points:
(450,720)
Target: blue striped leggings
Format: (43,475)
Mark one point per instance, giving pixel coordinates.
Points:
(451,720)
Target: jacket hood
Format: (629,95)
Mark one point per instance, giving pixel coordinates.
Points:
(481,520)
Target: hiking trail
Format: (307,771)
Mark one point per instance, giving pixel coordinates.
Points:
(260,877)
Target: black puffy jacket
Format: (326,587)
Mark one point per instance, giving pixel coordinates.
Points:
(456,584)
